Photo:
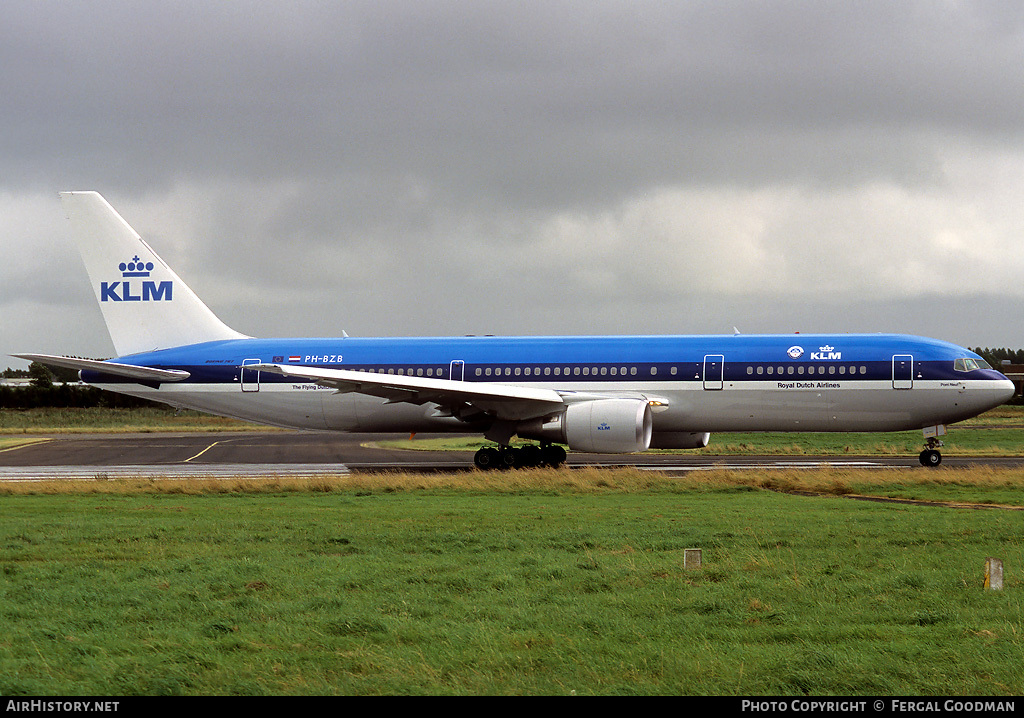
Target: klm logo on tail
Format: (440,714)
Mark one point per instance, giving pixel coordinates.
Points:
(149,291)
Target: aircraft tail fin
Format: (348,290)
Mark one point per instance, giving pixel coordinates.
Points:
(144,303)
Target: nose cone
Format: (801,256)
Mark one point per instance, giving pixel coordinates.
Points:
(996,390)
(1005,390)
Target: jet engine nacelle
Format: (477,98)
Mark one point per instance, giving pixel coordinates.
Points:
(602,426)
(680,439)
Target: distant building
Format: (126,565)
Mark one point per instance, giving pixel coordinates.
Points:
(22,382)
(17,383)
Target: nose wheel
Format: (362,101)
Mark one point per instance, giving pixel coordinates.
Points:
(931,456)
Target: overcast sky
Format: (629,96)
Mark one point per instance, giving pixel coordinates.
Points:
(448,168)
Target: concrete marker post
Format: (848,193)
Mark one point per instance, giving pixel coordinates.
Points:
(691,558)
(993,574)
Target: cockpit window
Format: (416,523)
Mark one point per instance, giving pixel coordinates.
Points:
(967,364)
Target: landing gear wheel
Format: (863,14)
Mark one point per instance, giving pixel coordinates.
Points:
(529,455)
(508,457)
(554,456)
(487,458)
(930,457)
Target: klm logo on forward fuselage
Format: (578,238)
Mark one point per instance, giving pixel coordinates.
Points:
(826,353)
(145,290)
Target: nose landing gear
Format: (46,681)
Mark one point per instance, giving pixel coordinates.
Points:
(931,456)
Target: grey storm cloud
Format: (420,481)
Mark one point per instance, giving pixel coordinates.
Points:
(525,167)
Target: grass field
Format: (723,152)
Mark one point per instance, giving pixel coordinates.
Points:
(527,582)
(523,582)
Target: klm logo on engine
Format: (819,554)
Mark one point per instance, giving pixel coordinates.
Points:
(143,290)
(603,426)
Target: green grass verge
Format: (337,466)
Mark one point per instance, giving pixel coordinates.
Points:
(995,441)
(999,432)
(100,420)
(519,583)
(11,442)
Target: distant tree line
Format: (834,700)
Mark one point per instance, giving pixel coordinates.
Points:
(66,396)
(59,388)
(995,357)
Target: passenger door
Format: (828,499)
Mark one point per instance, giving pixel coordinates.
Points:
(903,371)
(250,378)
(714,371)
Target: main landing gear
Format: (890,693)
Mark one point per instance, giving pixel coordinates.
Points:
(507,457)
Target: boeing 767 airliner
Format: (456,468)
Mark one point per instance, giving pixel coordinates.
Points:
(602,394)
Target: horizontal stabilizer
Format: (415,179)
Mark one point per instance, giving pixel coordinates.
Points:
(142,373)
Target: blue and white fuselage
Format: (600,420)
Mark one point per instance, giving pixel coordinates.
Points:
(700,383)
(602,394)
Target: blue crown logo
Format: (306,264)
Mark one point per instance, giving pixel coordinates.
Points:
(135,268)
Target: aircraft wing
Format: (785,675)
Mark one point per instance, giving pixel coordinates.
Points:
(503,401)
(141,373)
